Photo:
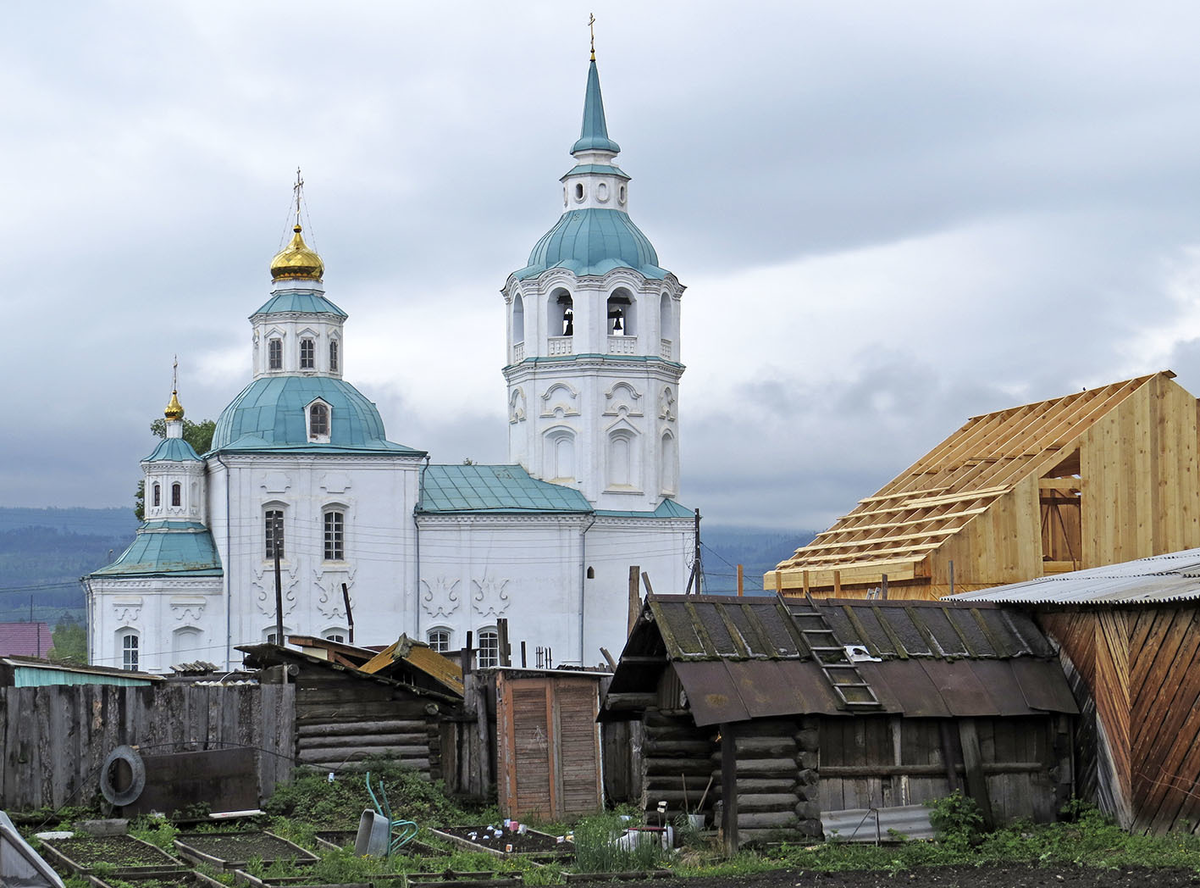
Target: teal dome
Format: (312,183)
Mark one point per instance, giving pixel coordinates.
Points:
(269,414)
(593,242)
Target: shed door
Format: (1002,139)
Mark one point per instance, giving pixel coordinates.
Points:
(549,746)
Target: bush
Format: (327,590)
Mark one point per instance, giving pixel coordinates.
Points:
(956,819)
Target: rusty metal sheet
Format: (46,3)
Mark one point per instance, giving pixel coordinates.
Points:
(997,677)
(915,694)
(223,779)
(877,675)
(959,687)
(712,695)
(1044,685)
(789,687)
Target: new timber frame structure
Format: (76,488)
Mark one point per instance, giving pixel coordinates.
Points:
(1093,478)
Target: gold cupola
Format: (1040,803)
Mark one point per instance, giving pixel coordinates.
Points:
(174,411)
(297,261)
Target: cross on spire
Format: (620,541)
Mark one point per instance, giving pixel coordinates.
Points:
(299,189)
(175,376)
(592,29)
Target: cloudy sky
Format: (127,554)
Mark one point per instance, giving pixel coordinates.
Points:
(889,217)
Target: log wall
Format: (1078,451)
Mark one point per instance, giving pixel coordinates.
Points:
(341,720)
(53,740)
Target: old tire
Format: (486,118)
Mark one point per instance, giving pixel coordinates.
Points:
(137,781)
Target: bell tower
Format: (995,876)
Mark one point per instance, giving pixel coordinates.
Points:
(593,362)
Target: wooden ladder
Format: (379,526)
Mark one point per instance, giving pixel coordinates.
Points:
(840,671)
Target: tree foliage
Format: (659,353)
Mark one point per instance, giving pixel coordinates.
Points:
(69,642)
(198,434)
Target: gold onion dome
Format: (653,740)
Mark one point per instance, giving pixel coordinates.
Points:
(296,260)
(174,409)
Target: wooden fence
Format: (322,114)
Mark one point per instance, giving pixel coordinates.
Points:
(53,740)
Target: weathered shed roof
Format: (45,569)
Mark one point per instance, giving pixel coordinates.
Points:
(1160,579)
(743,658)
(421,657)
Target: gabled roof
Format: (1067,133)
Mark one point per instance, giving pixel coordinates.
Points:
(740,658)
(1160,579)
(936,497)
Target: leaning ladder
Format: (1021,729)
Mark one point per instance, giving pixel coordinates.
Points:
(840,671)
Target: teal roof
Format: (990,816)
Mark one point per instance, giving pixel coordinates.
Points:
(593,242)
(602,169)
(312,303)
(269,414)
(173,450)
(504,489)
(668,508)
(594,134)
(167,548)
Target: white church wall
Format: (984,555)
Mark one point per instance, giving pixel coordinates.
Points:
(376,497)
(160,613)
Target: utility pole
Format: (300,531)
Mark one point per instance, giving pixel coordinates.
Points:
(275,546)
(697,570)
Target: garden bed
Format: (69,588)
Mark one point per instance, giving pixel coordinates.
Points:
(530,844)
(377,881)
(451,879)
(232,851)
(158,879)
(126,855)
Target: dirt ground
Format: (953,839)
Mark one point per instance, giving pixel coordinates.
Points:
(951,877)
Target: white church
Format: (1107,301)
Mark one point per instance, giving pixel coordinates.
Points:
(300,465)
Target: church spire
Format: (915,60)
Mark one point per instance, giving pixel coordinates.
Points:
(593,136)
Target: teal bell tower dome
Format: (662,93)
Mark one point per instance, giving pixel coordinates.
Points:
(593,339)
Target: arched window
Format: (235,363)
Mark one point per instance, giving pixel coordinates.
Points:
(668,464)
(489,647)
(622,459)
(334,635)
(621,314)
(308,359)
(560,315)
(560,455)
(275,354)
(439,639)
(666,327)
(176,494)
(185,645)
(318,421)
(333,356)
(518,319)
(157,494)
(129,650)
(273,532)
(335,535)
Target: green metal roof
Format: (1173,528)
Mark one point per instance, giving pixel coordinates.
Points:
(167,548)
(312,303)
(269,414)
(602,169)
(33,675)
(593,136)
(504,489)
(668,508)
(593,241)
(173,450)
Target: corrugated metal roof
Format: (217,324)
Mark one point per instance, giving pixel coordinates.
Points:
(30,673)
(1160,579)
(504,489)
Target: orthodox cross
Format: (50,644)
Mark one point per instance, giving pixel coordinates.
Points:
(175,375)
(298,188)
(592,29)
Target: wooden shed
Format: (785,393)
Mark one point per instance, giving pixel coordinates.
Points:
(787,710)
(1093,478)
(1130,643)
(344,714)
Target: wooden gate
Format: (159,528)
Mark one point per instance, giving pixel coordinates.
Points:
(549,749)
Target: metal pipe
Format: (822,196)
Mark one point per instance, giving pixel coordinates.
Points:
(583,580)
(226,570)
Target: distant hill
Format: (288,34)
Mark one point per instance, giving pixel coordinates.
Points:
(44,552)
(757,549)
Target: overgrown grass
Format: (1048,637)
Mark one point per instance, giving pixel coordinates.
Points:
(599,847)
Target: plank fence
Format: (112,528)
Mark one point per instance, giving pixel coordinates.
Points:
(54,740)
